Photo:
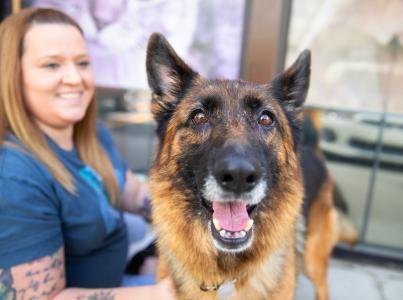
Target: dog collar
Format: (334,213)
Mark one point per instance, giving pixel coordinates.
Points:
(223,289)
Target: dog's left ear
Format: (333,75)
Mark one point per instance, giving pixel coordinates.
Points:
(291,86)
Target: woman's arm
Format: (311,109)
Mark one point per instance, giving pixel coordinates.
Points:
(44,279)
(136,194)
(164,290)
(40,279)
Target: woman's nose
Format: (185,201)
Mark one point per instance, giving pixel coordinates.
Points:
(71,75)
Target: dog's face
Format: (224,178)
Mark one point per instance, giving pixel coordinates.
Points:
(228,149)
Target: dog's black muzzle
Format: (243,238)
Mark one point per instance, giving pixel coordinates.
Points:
(236,169)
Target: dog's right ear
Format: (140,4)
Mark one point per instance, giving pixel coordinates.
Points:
(168,76)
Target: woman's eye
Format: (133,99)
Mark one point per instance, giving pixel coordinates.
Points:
(265,119)
(51,65)
(199,118)
(84,63)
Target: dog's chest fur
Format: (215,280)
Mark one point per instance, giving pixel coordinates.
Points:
(253,282)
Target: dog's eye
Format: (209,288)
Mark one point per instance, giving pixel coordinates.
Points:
(265,119)
(199,118)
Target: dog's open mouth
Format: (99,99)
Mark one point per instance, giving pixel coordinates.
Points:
(231,224)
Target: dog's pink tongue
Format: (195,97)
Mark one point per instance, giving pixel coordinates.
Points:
(232,216)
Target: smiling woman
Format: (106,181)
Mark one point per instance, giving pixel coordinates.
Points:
(58,80)
(63,184)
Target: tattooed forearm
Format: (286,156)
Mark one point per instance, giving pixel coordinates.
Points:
(54,288)
(38,280)
(7,292)
(100,295)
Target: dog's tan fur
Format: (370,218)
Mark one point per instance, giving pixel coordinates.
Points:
(321,237)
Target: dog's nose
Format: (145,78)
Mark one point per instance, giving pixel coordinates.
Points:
(237,174)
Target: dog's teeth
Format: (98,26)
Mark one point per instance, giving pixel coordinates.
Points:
(248,225)
(237,234)
(222,233)
(242,234)
(216,224)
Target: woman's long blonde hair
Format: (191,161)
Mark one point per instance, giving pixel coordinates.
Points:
(15,118)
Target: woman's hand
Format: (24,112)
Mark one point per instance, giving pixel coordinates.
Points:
(163,290)
(136,195)
(166,290)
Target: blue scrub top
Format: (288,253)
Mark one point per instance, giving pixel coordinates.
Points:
(38,216)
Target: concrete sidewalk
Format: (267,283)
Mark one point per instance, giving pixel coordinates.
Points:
(357,281)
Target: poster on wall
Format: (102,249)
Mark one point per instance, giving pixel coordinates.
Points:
(206,33)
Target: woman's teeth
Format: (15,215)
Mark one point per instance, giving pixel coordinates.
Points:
(70,95)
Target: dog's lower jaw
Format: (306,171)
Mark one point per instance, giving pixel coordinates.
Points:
(222,248)
(233,251)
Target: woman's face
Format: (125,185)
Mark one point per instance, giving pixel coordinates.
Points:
(58,82)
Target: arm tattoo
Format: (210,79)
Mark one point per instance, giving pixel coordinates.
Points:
(40,279)
(101,295)
(7,292)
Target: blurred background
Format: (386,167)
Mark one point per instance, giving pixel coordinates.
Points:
(355,98)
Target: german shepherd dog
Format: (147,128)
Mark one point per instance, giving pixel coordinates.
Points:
(227,184)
